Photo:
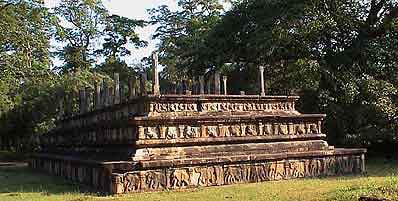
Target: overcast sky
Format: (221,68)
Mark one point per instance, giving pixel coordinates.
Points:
(135,9)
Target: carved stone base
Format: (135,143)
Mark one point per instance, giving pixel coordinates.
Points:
(128,177)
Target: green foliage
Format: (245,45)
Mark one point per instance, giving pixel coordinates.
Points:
(119,32)
(24,42)
(182,33)
(339,55)
(78,25)
(30,91)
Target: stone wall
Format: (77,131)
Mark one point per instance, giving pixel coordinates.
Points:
(217,175)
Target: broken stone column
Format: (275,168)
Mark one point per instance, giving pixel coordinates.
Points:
(97,94)
(217,84)
(61,106)
(104,95)
(224,78)
(201,85)
(89,98)
(173,87)
(143,79)
(262,81)
(209,85)
(132,84)
(69,104)
(82,100)
(116,81)
(155,78)
(111,96)
(194,86)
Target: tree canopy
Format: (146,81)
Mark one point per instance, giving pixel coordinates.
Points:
(339,56)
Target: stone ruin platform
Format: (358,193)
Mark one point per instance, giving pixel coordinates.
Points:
(162,142)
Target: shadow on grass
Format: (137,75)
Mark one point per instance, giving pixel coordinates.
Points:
(26,180)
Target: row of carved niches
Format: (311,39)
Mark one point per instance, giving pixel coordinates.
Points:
(217,175)
(182,106)
(201,105)
(228,130)
(165,132)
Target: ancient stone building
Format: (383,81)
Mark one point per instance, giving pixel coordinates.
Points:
(151,142)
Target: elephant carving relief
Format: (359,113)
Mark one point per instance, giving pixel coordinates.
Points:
(296,169)
(155,180)
(232,175)
(132,183)
(179,178)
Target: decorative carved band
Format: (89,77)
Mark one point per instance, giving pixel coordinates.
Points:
(154,180)
(235,130)
(220,107)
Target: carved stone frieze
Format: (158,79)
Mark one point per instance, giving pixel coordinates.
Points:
(245,107)
(178,178)
(164,107)
(172,107)
(231,130)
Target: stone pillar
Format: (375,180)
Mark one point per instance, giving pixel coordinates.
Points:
(132,84)
(194,86)
(184,86)
(82,101)
(104,94)
(217,84)
(209,85)
(201,85)
(69,104)
(97,94)
(111,96)
(87,104)
(116,81)
(155,78)
(262,84)
(188,87)
(224,78)
(61,106)
(143,79)
(173,86)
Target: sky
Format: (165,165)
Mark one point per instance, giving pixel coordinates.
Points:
(135,9)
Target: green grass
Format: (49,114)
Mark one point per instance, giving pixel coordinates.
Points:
(380,181)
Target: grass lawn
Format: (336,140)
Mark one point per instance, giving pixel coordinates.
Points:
(20,183)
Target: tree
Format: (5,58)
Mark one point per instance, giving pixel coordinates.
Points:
(338,53)
(79,27)
(24,41)
(120,32)
(25,30)
(182,32)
